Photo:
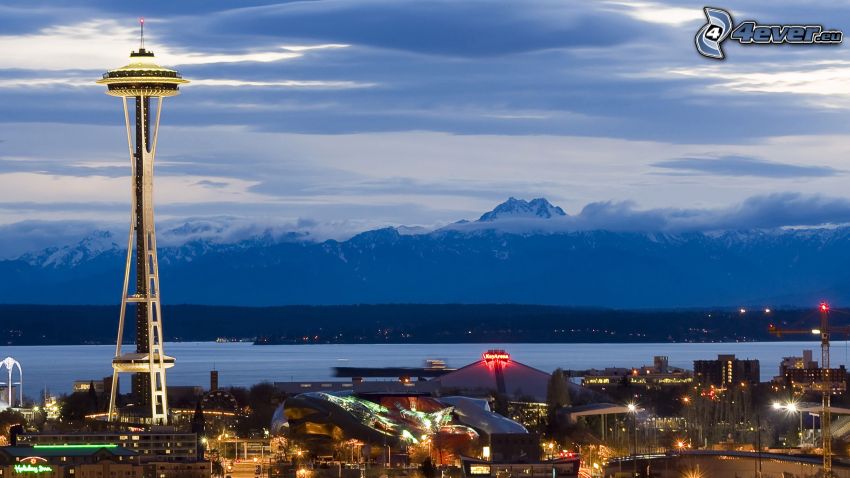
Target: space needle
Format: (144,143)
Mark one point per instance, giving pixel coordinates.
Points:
(137,84)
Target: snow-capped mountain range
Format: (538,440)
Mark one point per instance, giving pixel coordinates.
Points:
(520,252)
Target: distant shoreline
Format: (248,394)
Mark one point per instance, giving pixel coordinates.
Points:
(244,365)
(403,324)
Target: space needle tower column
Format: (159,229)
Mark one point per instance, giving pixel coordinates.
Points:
(137,84)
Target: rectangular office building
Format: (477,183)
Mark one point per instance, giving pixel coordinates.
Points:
(726,371)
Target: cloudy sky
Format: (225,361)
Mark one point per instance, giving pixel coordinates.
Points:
(337,116)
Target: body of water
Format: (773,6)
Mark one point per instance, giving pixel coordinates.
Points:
(243,364)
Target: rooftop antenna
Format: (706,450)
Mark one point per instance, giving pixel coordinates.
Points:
(142,34)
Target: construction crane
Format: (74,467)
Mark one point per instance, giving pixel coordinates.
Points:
(826,383)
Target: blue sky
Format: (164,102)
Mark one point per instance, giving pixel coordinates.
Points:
(338,116)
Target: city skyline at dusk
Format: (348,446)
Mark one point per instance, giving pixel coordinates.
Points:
(422,239)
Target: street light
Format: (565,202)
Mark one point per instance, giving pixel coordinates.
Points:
(792,407)
(633,411)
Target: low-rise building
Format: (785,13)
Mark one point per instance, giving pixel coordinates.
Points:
(101,385)
(658,375)
(496,372)
(519,455)
(163,469)
(803,362)
(803,374)
(813,379)
(61,461)
(151,446)
(86,385)
(559,468)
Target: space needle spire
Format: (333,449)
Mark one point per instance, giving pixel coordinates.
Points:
(136,84)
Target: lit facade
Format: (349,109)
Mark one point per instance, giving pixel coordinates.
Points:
(90,461)
(380,419)
(63,461)
(812,379)
(444,428)
(497,372)
(726,371)
(150,446)
(658,375)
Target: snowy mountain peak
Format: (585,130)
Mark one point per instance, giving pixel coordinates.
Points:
(520,208)
(93,245)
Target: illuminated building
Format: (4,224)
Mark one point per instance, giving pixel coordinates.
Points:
(97,460)
(497,372)
(220,409)
(532,415)
(521,455)
(561,467)
(725,371)
(805,361)
(444,427)
(810,379)
(139,82)
(52,410)
(804,374)
(86,385)
(150,446)
(381,419)
(659,375)
(101,460)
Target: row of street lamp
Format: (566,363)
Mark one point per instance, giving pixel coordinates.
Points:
(789,407)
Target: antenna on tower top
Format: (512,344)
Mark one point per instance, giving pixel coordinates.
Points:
(141,33)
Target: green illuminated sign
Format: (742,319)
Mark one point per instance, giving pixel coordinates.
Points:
(72,447)
(19,468)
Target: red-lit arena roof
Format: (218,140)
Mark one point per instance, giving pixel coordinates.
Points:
(498,371)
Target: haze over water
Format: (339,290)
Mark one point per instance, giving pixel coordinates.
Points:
(244,364)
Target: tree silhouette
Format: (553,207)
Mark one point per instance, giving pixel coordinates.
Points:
(557,396)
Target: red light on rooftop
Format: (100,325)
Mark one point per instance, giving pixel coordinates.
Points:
(824,306)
